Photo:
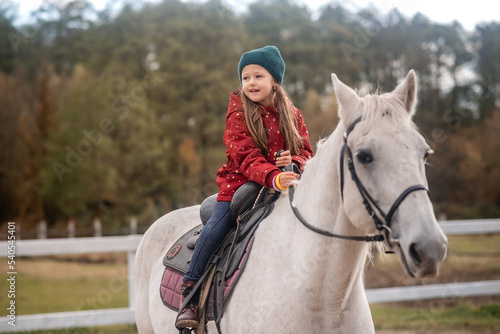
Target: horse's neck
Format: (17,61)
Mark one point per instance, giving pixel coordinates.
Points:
(318,191)
(339,262)
(302,278)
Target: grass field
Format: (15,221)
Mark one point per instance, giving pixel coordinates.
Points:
(97,281)
(60,284)
(462,315)
(470,258)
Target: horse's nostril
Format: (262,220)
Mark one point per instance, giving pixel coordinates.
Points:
(414,253)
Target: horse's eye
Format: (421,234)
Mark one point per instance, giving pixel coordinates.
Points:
(429,152)
(364,157)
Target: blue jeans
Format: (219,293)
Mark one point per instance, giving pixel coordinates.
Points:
(210,238)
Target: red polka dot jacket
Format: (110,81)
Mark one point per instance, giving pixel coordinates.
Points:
(245,161)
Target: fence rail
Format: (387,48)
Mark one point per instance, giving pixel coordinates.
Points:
(103,317)
(96,230)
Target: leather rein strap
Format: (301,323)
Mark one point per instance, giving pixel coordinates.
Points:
(367,238)
(367,200)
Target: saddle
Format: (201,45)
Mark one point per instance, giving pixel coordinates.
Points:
(250,205)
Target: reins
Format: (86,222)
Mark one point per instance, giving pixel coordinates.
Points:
(367,238)
(383,224)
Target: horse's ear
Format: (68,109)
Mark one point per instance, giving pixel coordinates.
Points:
(407,92)
(347,100)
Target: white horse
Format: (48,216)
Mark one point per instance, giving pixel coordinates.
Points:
(297,280)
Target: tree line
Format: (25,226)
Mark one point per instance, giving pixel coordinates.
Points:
(114,113)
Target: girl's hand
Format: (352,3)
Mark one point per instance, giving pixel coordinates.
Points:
(284,159)
(286,178)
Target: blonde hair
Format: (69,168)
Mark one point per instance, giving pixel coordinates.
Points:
(287,122)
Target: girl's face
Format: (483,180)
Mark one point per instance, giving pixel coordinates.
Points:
(258,84)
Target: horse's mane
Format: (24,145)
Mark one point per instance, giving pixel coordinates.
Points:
(373,108)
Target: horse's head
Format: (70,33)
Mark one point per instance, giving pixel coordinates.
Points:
(387,174)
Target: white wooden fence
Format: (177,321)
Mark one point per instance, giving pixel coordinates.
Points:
(103,317)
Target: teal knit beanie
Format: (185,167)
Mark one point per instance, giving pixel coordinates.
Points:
(268,57)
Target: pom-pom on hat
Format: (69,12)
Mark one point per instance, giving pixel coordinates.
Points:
(268,57)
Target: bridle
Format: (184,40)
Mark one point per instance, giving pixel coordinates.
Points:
(382,225)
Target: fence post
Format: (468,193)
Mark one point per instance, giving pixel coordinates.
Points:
(130,266)
(71,229)
(97,228)
(131,283)
(133,225)
(41,231)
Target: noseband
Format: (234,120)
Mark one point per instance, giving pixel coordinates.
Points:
(383,224)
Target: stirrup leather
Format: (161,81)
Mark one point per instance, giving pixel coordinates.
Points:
(188,316)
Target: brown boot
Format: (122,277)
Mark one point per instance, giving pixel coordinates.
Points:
(188,317)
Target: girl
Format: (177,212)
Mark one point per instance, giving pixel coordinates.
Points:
(261,120)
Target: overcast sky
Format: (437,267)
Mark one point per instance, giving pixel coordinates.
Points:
(468,13)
